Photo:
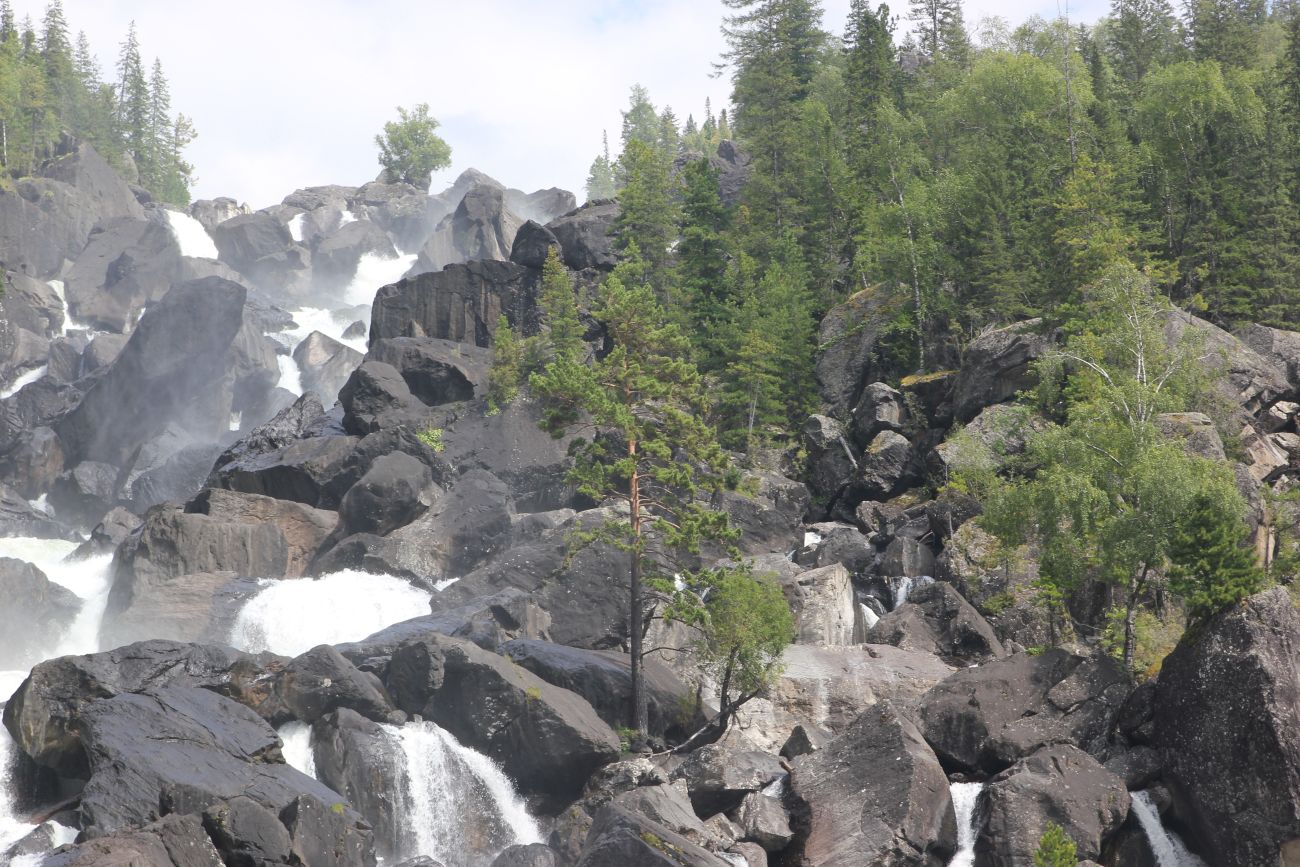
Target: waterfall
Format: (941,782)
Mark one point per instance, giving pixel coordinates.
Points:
(290,377)
(965,797)
(298,747)
(903,586)
(90,579)
(374,271)
(11,828)
(1168,849)
(26,379)
(295,227)
(811,537)
(453,804)
(293,616)
(869,617)
(309,319)
(190,236)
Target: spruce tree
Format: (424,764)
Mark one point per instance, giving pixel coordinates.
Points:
(563,331)
(600,179)
(648,217)
(1211,566)
(1055,848)
(133,117)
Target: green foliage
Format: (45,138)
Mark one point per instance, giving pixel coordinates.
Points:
(1055,848)
(507,371)
(1212,568)
(746,625)
(600,180)
(410,149)
(648,218)
(563,332)
(432,437)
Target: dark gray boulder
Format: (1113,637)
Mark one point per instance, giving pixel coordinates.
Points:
(718,777)
(604,678)
(547,739)
(619,836)
(1224,709)
(321,681)
(875,795)
(83,494)
(1060,784)
(832,462)
(986,718)
(396,490)
(173,841)
(299,471)
(436,371)
(176,750)
(935,618)
(880,407)
(213,212)
(481,228)
(998,365)
(164,374)
(531,855)
(460,303)
(127,264)
(846,360)
(888,466)
(19,518)
(584,235)
(376,397)
(533,243)
(243,242)
(45,715)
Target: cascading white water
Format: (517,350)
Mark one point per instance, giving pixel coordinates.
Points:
(811,537)
(869,617)
(295,227)
(298,750)
(90,579)
(12,829)
(902,586)
(293,616)
(26,379)
(190,235)
(965,796)
(453,804)
(290,376)
(374,271)
(1168,849)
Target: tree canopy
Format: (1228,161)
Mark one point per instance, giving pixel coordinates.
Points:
(409,148)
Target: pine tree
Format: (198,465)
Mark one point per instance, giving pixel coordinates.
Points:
(1140,34)
(1226,30)
(563,330)
(869,75)
(702,258)
(1212,567)
(652,449)
(133,104)
(56,49)
(648,217)
(941,29)
(7,28)
(507,371)
(600,180)
(640,121)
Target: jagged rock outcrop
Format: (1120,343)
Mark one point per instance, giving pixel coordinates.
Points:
(847,342)
(619,836)
(35,614)
(998,365)
(875,796)
(986,718)
(481,227)
(460,303)
(127,264)
(585,237)
(1224,707)
(325,365)
(936,619)
(436,371)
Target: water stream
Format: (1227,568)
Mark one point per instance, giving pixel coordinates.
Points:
(1168,848)
(965,797)
(190,235)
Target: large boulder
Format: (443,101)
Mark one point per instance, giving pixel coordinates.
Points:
(719,776)
(212,212)
(300,471)
(436,371)
(325,365)
(45,716)
(1061,785)
(460,303)
(126,265)
(604,678)
(164,374)
(997,366)
(396,490)
(172,840)
(619,836)
(320,681)
(1244,377)
(888,466)
(548,739)
(936,619)
(376,397)
(846,360)
(533,243)
(825,607)
(482,227)
(874,796)
(986,718)
(177,750)
(827,688)
(832,462)
(35,614)
(541,206)
(584,235)
(260,247)
(45,221)
(1225,710)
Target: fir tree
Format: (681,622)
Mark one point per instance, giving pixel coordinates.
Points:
(133,103)
(1055,848)
(649,211)
(563,330)
(1211,566)
(507,371)
(600,180)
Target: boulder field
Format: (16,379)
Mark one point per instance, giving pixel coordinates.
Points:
(205,433)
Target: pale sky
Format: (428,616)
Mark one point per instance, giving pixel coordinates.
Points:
(290,94)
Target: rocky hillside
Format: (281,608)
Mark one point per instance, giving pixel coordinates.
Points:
(280,587)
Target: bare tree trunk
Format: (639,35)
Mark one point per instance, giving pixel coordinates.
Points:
(640,710)
(1135,588)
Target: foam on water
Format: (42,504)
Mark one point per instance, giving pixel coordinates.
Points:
(290,376)
(90,579)
(298,750)
(374,271)
(190,235)
(26,379)
(1170,851)
(452,800)
(293,616)
(965,797)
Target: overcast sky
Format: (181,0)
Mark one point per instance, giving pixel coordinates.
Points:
(290,94)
